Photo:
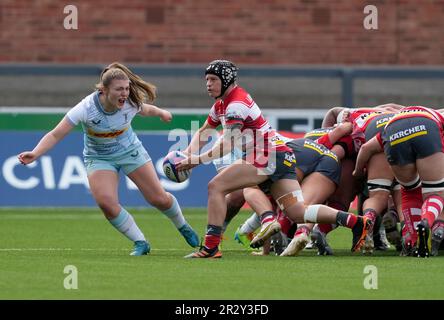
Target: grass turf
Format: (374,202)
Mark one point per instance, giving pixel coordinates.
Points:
(37,244)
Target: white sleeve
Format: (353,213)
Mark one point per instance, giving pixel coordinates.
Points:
(77,114)
(236,112)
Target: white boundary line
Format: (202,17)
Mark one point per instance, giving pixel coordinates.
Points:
(101,249)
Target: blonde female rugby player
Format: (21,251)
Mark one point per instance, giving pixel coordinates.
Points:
(111,145)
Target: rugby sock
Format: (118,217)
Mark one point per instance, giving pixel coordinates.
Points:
(125,223)
(326,228)
(285,224)
(431,208)
(411,209)
(252,223)
(267,216)
(346,219)
(212,237)
(174,213)
(302,229)
(371,214)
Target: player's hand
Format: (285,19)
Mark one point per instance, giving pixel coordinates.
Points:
(358,173)
(186,152)
(346,127)
(188,163)
(166,116)
(26,157)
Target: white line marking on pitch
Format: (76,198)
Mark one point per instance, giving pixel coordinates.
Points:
(94,249)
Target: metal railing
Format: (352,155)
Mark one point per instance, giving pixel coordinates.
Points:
(347,75)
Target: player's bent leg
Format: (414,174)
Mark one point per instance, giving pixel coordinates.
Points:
(288,202)
(236,176)
(148,183)
(313,195)
(103,184)
(235,200)
(261,203)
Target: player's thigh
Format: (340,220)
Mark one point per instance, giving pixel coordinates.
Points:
(405,174)
(236,176)
(316,188)
(104,185)
(257,200)
(288,196)
(379,168)
(147,181)
(379,177)
(431,168)
(348,185)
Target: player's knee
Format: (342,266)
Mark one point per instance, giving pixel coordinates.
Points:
(295,213)
(292,204)
(161,202)
(108,204)
(215,186)
(298,211)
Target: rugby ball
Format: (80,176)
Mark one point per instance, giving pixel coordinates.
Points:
(169,167)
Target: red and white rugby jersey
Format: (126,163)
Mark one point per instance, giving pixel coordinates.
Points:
(239,108)
(361,120)
(419,111)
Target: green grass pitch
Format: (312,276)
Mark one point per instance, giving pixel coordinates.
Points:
(37,244)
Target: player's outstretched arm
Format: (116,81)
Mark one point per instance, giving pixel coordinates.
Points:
(365,152)
(150,110)
(199,139)
(331,116)
(47,142)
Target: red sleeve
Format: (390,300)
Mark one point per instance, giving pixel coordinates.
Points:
(211,121)
(325,140)
(378,137)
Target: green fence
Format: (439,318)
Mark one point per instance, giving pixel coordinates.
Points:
(46,121)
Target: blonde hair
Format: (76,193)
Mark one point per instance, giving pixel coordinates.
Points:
(140,90)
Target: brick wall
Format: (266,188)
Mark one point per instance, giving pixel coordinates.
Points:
(246,31)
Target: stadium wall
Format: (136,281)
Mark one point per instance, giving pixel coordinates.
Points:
(250,31)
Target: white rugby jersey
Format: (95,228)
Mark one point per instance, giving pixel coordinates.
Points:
(105,133)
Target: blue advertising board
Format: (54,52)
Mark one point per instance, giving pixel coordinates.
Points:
(58,178)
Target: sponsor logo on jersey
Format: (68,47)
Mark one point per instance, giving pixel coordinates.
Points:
(106,134)
(383,121)
(289,159)
(320,149)
(364,118)
(407,134)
